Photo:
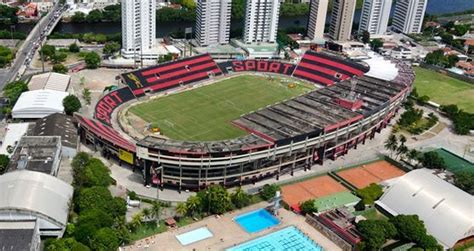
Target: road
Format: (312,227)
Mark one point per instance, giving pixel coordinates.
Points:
(37,36)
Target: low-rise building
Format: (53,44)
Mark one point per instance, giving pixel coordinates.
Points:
(37,153)
(61,125)
(19,235)
(38,104)
(401,53)
(50,81)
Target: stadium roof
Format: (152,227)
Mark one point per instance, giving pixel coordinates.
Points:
(38,104)
(381,67)
(446,210)
(49,81)
(35,193)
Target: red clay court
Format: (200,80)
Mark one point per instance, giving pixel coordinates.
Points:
(297,193)
(367,174)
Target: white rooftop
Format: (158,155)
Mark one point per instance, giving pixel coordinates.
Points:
(447,211)
(13,134)
(38,104)
(49,81)
(380,67)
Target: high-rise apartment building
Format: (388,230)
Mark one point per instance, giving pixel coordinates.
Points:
(139,29)
(261,21)
(341,19)
(317,18)
(374,16)
(213,22)
(408,16)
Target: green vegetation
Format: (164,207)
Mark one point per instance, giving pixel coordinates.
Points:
(98,218)
(111,48)
(444,90)
(206,113)
(111,13)
(71,104)
(89,37)
(147,229)
(60,68)
(465,181)
(408,228)
(74,48)
(6,56)
(4,161)
(439,59)
(432,160)
(12,91)
(6,34)
(370,193)
(463,121)
(268,191)
(288,9)
(8,15)
(92,60)
(371,214)
(308,207)
(412,119)
(455,163)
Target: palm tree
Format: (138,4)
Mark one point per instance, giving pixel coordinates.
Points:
(193,205)
(137,220)
(181,209)
(391,143)
(402,139)
(413,155)
(402,149)
(146,212)
(155,210)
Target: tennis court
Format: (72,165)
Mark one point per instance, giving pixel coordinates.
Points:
(367,174)
(318,187)
(454,163)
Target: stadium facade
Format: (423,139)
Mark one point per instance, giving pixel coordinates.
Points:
(300,133)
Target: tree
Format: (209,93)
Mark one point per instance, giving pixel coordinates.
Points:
(370,193)
(48,51)
(375,44)
(92,60)
(71,104)
(240,198)
(13,90)
(58,57)
(74,48)
(409,227)
(181,209)
(155,211)
(6,56)
(365,37)
(78,17)
(413,155)
(375,233)
(86,94)
(428,242)
(308,207)
(450,110)
(268,191)
(146,213)
(60,68)
(194,205)
(97,198)
(4,161)
(105,239)
(66,244)
(95,16)
(89,222)
(96,174)
(136,221)
(215,199)
(391,143)
(432,160)
(111,48)
(402,149)
(464,180)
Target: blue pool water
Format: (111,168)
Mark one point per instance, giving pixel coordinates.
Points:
(290,238)
(256,221)
(194,236)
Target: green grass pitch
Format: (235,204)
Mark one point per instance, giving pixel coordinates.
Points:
(444,90)
(205,113)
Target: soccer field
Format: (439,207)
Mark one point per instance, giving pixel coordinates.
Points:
(444,90)
(205,113)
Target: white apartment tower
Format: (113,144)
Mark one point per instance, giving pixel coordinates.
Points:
(139,29)
(341,19)
(317,18)
(213,22)
(374,16)
(408,16)
(261,21)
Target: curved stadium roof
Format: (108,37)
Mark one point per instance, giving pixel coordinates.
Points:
(447,211)
(37,193)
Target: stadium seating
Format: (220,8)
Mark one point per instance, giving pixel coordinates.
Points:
(258,65)
(325,69)
(172,74)
(105,132)
(108,103)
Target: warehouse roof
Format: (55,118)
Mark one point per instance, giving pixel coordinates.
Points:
(36,193)
(57,124)
(446,210)
(38,104)
(49,81)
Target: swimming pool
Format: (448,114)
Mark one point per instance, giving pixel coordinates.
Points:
(256,221)
(290,238)
(194,236)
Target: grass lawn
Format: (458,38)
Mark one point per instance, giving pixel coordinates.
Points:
(372,214)
(146,230)
(205,113)
(444,90)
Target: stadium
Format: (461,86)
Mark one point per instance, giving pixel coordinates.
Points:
(274,118)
